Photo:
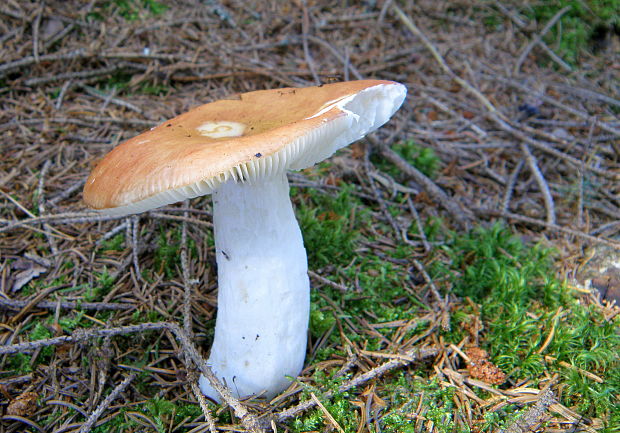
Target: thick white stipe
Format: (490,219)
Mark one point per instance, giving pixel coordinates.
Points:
(264,291)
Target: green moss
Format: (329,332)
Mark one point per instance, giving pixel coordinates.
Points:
(39,284)
(40,332)
(22,363)
(102,284)
(572,34)
(147,88)
(339,407)
(320,321)
(494,262)
(168,253)
(382,293)
(131,10)
(115,243)
(423,158)
(520,302)
(120,83)
(146,316)
(19,363)
(329,227)
(161,412)
(70,322)
(410,396)
(324,353)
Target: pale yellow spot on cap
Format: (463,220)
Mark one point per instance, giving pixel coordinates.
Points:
(221,129)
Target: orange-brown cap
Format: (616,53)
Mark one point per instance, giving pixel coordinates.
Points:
(252,135)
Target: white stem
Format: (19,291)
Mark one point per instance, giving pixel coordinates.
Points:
(264,291)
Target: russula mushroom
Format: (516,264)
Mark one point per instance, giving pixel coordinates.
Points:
(239,150)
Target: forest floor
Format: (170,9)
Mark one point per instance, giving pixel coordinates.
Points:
(464,259)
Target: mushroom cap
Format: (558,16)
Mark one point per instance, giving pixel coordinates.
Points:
(246,137)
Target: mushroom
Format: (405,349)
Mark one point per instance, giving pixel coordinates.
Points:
(239,150)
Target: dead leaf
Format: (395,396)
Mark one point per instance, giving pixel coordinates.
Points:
(477,354)
(29,270)
(328,216)
(482,369)
(24,405)
(423,198)
(455,87)
(333,180)
(358,150)
(468,114)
